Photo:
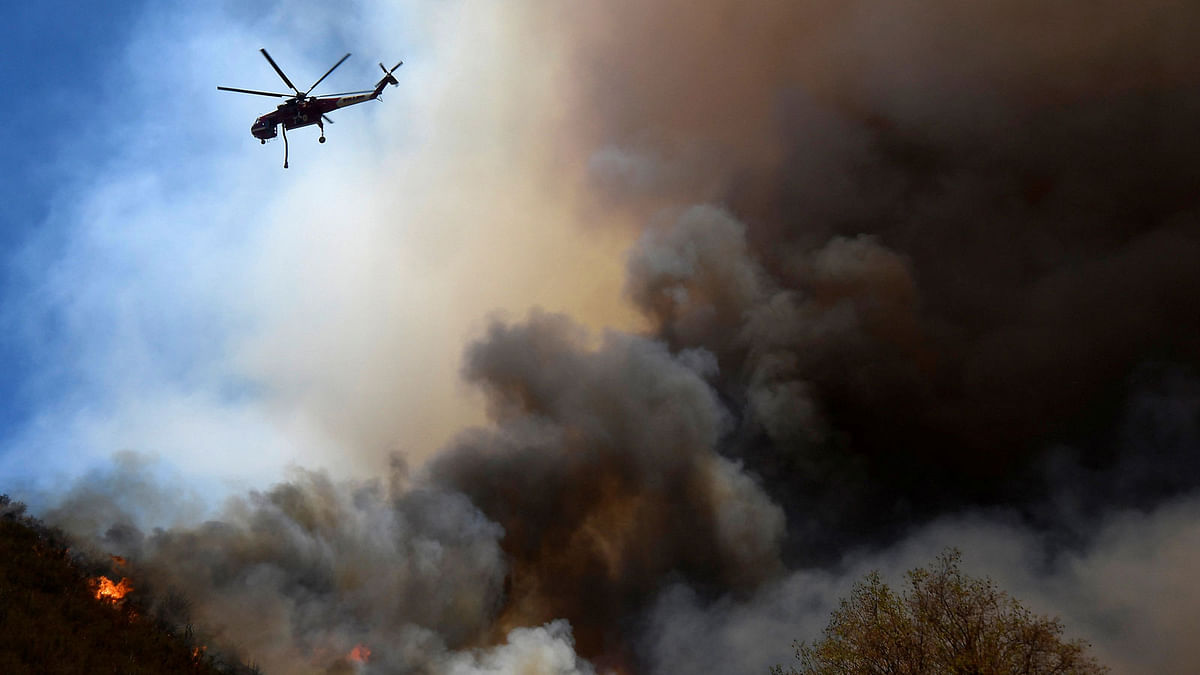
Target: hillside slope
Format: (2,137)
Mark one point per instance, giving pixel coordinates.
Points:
(53,622)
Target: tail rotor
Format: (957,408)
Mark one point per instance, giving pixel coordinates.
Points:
(387,73)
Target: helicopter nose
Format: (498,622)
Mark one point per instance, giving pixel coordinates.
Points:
(263,130)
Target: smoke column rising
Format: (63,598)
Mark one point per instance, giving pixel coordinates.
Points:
(912,276)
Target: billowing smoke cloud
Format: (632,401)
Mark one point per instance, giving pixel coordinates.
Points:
(913,277)
(1126,592)
(936,257)
(604,472)
(296,577)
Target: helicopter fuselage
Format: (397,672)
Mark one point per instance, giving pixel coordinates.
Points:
(296,114)
(303,110)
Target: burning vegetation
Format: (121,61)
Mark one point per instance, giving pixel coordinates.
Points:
(54,618)
(360,654)
(106,590)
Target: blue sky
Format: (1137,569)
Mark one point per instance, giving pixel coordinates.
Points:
(169,290)
(58,59)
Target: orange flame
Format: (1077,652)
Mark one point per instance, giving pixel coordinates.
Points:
(360,654)
(105,589)
(198,653)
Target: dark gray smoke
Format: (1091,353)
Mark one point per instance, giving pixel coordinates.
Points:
(603,470)
(949,237)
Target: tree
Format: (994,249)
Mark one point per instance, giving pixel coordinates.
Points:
(946,622)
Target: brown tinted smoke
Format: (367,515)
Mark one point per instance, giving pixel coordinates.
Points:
(951,233)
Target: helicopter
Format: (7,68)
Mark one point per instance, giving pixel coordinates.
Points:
(303,110)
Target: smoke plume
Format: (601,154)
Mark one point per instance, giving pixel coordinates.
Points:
(913,276)
(603,470)
(936,256)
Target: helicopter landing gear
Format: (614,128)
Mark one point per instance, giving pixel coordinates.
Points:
(321,139)
(263,141)
(321,126)
(285,145)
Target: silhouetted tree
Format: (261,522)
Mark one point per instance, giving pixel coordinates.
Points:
(944,623)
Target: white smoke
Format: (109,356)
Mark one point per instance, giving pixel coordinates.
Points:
(542,650)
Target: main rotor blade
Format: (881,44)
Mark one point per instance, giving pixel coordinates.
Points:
(277,69)
(327,73)
(251,91)
(346,93)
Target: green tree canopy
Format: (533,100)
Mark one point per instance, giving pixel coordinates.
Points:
(944,623)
